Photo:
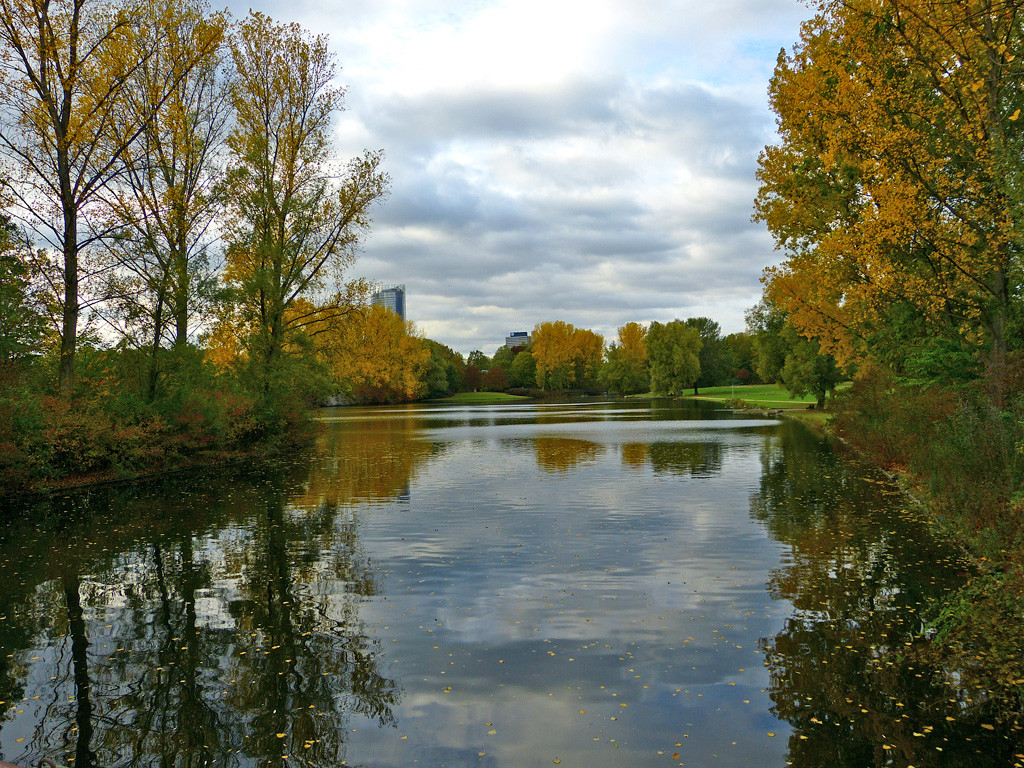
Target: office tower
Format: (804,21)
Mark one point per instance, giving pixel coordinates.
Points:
(517,339)
(392,297)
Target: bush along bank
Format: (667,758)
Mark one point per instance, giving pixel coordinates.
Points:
(964,456)
(111,429)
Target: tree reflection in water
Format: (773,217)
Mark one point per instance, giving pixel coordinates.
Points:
(182,627)
(564,454)
(843,669)
(693,458)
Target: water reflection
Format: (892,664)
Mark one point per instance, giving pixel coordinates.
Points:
(843,669)
(172,627)
(563,454)
(363,459)
(489,587)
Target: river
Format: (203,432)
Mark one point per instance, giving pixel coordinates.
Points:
(638,583)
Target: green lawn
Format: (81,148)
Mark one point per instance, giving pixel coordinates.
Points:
(480,398)
(762,395)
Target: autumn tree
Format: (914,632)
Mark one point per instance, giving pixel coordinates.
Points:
(566,357)
(69,67)
(553,353)
(898,175)
(626,369)
(166,203)
(293,225)
(673,350)
(375,356)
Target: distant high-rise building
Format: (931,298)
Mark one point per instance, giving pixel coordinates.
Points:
(517,339)
(392,297)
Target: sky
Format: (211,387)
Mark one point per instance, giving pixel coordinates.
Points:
(591,161)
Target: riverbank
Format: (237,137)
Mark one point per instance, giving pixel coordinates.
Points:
(957,459)
(770,398)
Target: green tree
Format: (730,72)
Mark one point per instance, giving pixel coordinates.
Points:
(715,357)
(292,227)
(743,357)
(22,320)
(443,373)
(523,372)
(674,353)
(478,360)
(790,359)
(503,357)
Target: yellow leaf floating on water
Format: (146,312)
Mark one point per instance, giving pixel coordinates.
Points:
(988,727)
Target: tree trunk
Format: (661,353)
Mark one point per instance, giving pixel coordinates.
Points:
(154,368)
(69,324)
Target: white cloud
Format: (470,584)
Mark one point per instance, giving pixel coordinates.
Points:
(591,161)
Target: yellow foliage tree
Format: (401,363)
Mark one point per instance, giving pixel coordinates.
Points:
(375,356)
(292,226)
(566,356)
(897,181)
(69,67)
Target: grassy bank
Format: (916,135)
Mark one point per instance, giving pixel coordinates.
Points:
(963,458)
(767,397)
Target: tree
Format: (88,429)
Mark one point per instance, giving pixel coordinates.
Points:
(674,353)
(566,356)
(292,229)
(478,360)
(523,372)
(495,380)
(503,357)
(786,357)
(741,346)
(715,360)
(471,378)
(552,350)
(71,64)
(374,356)
(443,374)
(626,369)
(898,176)
(166,204)
(22,321)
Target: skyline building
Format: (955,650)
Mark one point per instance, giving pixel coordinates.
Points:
(517,339)
(392,297)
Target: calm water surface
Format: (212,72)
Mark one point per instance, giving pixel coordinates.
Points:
(602,584)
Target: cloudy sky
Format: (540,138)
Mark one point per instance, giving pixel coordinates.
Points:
(590,161)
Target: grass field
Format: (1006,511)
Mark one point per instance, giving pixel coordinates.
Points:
(770,396)
(480,398)
(763,395)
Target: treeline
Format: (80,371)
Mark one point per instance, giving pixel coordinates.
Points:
(895,194)
(662,358)
(176,234)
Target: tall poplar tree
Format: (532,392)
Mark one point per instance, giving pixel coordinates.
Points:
(68,66)
(166,202)
(293,225)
